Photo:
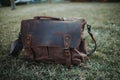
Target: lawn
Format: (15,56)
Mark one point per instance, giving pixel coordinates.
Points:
(104,64)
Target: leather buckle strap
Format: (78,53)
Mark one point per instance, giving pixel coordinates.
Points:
(67,52)
(67,39)
(28,45)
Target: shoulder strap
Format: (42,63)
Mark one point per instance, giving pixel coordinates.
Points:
(92,37)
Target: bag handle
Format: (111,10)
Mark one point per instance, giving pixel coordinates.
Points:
(46,17)
(92,37)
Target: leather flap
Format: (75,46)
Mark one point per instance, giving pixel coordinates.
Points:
(51,32)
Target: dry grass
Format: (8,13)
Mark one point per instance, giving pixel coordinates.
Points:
(103,65)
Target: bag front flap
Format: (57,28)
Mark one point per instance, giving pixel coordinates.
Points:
(51,33)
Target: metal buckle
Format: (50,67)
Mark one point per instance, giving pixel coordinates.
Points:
(89,28)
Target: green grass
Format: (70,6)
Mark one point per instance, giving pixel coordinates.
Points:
(104,64)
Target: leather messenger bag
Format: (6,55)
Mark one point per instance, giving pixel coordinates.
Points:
(53,40)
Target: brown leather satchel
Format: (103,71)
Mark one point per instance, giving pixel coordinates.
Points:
(53,40)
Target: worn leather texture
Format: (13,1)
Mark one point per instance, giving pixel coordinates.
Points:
(44,40)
